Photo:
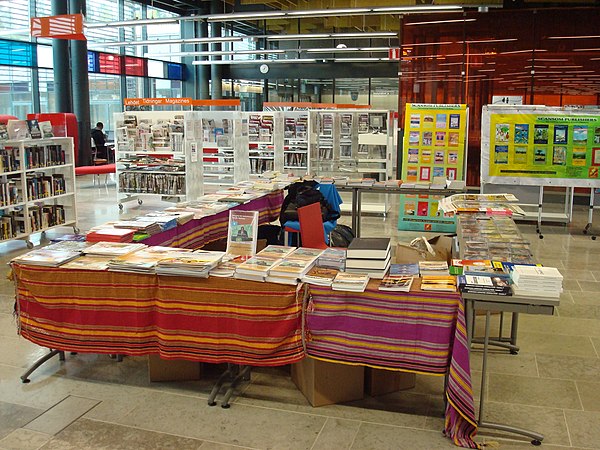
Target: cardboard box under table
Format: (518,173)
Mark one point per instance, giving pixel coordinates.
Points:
(417,332)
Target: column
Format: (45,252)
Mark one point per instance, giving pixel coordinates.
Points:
(62,75)
(216,71)
(190,86)
(81,89)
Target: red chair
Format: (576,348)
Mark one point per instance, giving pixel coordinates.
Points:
(312,233)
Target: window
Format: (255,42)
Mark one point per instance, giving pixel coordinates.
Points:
(16,96)
(14,53)
(102,11)
(156,69)
(105,99)
(165,88)
(47,92)
(135,87)
(14,16)
(135,66)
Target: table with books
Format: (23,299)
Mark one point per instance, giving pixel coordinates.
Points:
(498,274)
(199,232)
(133,308)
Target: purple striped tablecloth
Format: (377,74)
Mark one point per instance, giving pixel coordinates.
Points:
(199,232)
(421,332)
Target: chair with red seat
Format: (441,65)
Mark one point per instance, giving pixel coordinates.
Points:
(312,233)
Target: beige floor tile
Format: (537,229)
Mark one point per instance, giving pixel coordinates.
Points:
(14,416)
(92,435)
(579,275)
(568,367)
(336,433)
(380,437)
(596,344)
(563,325)
(8,325)
(555,344)
(572,285)
(586,298)
(61,415)
(503,362)
(533,391)
(20,352)
(43,392)
(240,425)
(590,395)
(549,422)
(583,428)
(580,311)
(218,446)
(23,439)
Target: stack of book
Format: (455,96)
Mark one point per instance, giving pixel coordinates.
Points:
(275,251)
(321,276)
(536,281)
(353,282)
(163,222)
(479,267)
(45,257)
(289,270)
(332,258)
(369,255)
(483,284)
(433,268)
(88,262)
(110,235)
(442,283)
(112,248)
(194,264)
(71,246)
(144,260)
(399,278)
(227,267)
(147,227)
(255,268)
(182,217)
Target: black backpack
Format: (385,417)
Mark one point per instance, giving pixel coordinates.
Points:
(341,236)
(302,194)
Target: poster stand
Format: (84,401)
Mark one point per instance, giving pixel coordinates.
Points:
(530,145)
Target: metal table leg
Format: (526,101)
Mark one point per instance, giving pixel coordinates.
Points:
(536,437)
(39,362)
(354,207)
(358,212)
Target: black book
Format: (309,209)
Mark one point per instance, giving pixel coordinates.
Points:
(369,248)
(34,129)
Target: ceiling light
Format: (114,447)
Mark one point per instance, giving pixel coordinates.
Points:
(573,37)
(298,37)
(427,43)
(167,42)
(358,59)
(327,12)
(487,41)
(132,23)
(423,8)
(329,50)
(245,15)
(523,51)
(435,22)
(253,61)
(586,49)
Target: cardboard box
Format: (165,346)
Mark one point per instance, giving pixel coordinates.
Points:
(173,369)
(325,383)
(380,381)
(441,246)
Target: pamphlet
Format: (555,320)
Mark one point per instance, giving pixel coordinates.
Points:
(243,233)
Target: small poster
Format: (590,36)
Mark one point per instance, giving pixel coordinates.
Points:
(559,156)
(415,120)
(560,134)
(413,155)
(540,134)
(452,157)
(453,139)
(438,171)
(579,156)
(580,134)
(426,157)
(440,138)
(501,154)
(428,121)
(413,137)
(597,136)
(242,233)
(502,132)
(522,133)
(455,121)
(596,156)
(520,155)
(438,157)
(539,155)
(440,121)
(427,138)
(425,174)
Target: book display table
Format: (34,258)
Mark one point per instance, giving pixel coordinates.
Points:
(199,232)
(420,332)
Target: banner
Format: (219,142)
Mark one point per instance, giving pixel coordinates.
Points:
(66,26)
(540,146)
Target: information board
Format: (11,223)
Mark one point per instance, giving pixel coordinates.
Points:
(540,146)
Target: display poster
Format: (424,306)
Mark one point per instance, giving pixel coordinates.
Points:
(434,146)
(540,146)
(421,213)
(434,142)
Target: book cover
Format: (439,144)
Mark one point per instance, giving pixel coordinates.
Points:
(34,129)
(369,248)
(242,235)
(404,270)
(438,283)
(88,262)
(305,253)
(320,275)
(400,284)
(290,267)
(275,251)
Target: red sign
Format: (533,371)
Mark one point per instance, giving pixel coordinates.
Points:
(66,26)
(394,54)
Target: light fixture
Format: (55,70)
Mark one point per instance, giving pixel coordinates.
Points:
(254,61)
(167,42)
(133,23)
(574,37)
(302,37)
(329,50)
(217,53)
(427,43)
(435,22)
(487,41)
(586,49)
(358,59)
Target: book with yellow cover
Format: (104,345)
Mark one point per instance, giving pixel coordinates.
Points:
(445,283)
(291,268)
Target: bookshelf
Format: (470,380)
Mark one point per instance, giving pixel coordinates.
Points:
(37,187)
(263,129)
(155,157)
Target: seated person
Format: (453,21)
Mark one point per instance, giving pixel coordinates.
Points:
(99,139)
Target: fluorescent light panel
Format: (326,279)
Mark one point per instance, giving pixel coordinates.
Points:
(254,61)
(435,22)
(206,40)
(217,53)
(301,37)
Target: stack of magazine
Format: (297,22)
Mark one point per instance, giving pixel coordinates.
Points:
(45,257)
(195,264)
(536,281)
(111,234)
(112,248)
(150,227)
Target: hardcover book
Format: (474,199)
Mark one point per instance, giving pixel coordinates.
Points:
(370,248)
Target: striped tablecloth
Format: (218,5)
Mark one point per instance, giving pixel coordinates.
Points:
(421,332)
(210,320)
(199,232)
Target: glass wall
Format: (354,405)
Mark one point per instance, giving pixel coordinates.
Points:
(16,96)
(47,93)
(105,99)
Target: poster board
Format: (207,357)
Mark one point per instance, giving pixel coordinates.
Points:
(540,146)
(242,233)
(434,146)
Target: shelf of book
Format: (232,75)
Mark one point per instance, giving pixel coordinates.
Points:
(37,187)
(156,157)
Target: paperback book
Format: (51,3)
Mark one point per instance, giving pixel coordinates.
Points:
(88,262)
(394,283)
(353,282)
(45,257)
(112,248)
(438,283)
(483,284)
(320,276)
(243,233)
(275,251)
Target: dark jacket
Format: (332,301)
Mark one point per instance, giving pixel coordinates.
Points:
(98,137)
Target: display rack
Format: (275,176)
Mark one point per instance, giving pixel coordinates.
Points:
(295,138)
(224,145)
(263,147)
(154,157)
(37,187)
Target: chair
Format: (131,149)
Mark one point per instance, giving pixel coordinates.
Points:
(98,162)
(332,196)
(312,232)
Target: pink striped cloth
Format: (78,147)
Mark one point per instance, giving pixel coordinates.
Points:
(421,332)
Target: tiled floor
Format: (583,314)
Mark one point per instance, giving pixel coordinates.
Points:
(93,402)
